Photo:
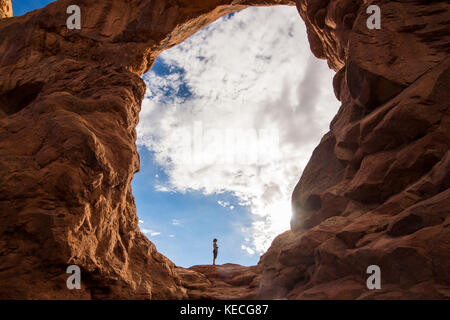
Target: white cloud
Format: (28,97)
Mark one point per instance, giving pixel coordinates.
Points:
(150,233)
(249,250)
(253,71)
(161,188)
(223,203)
(176,222)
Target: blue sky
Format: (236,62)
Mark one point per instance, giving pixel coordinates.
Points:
(249,78)
(188,222)
(21,7)
(183,224)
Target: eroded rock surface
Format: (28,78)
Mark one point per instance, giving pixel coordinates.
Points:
(69,106)
(5,9)
(376,190)
(224,282)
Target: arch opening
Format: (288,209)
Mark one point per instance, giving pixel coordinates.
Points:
(230,119)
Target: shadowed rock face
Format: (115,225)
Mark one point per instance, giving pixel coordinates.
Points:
(376,190)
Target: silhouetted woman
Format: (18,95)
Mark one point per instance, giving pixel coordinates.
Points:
(215,251)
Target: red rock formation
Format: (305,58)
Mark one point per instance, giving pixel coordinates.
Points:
(374,192)
(224,282)
(5,9)
(69,105)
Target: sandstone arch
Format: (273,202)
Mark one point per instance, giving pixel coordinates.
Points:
(69,105)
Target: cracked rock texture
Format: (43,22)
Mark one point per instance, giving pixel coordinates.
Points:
(376,190)
(5,9)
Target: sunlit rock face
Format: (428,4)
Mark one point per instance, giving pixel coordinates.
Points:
(375,191)
(5,9)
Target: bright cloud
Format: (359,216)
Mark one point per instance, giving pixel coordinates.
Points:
(241,111)
(163,188)
(223,203)
(151,233)
(249,250)
(176,222)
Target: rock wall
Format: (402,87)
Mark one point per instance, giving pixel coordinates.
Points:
(69,106)
(5,9)
(374,192)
